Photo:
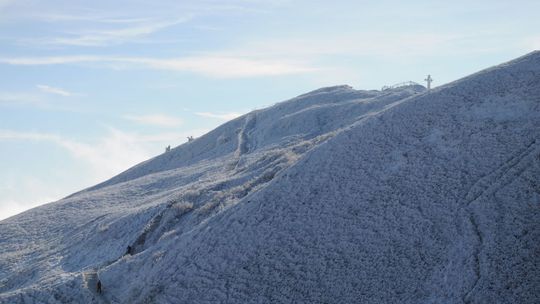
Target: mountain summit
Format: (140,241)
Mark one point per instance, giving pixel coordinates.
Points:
(335,196)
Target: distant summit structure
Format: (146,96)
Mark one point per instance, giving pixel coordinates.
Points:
(429,80)
(400,85)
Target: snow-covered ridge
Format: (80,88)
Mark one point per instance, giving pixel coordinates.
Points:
(303,117)
(336,196)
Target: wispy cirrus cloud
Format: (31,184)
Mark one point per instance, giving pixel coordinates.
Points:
(96,160)
(53,90)
(160,120)
(95,25)
(9,98)
(531,42)
(208,65)
(29,193)
(41,98)
(112,36)
(112,153)
(223,66)
(73,17)
(222,116)
(358,43)
(265,57)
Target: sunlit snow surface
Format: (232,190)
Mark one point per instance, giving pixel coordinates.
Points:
(336,196)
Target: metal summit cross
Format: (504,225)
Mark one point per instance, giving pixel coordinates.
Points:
(429,80)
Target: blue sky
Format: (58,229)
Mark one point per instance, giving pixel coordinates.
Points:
(90,88)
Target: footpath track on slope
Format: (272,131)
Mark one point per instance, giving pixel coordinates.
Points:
(487,186)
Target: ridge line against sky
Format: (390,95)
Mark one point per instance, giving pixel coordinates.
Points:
(147,74)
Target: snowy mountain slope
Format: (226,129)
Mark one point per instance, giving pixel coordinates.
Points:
(108,219)
(426,198)
(413,205)
(285,123)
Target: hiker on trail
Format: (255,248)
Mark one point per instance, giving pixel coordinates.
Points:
(99,286)
(129,250)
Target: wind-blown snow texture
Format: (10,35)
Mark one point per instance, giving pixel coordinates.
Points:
(336,196)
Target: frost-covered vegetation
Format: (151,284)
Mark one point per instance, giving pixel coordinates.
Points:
(335,196)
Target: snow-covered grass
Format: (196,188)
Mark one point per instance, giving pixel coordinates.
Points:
(336,196)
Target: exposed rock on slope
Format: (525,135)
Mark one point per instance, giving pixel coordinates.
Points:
(337,196)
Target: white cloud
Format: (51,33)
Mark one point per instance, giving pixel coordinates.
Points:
(10,207)
(209,65)
(70,17)
(112,36)
(155,119)
(222,116)
(112,153)
(225,67)
(145,12)
(358,43)
(531,43)
(40,100)
(7,98)
(49,60)
(16,135)
(53,90)
(21,192)
(96,160)
(285,56)
(108,156)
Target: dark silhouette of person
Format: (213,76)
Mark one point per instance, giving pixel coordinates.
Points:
(99,286)
(129,250)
